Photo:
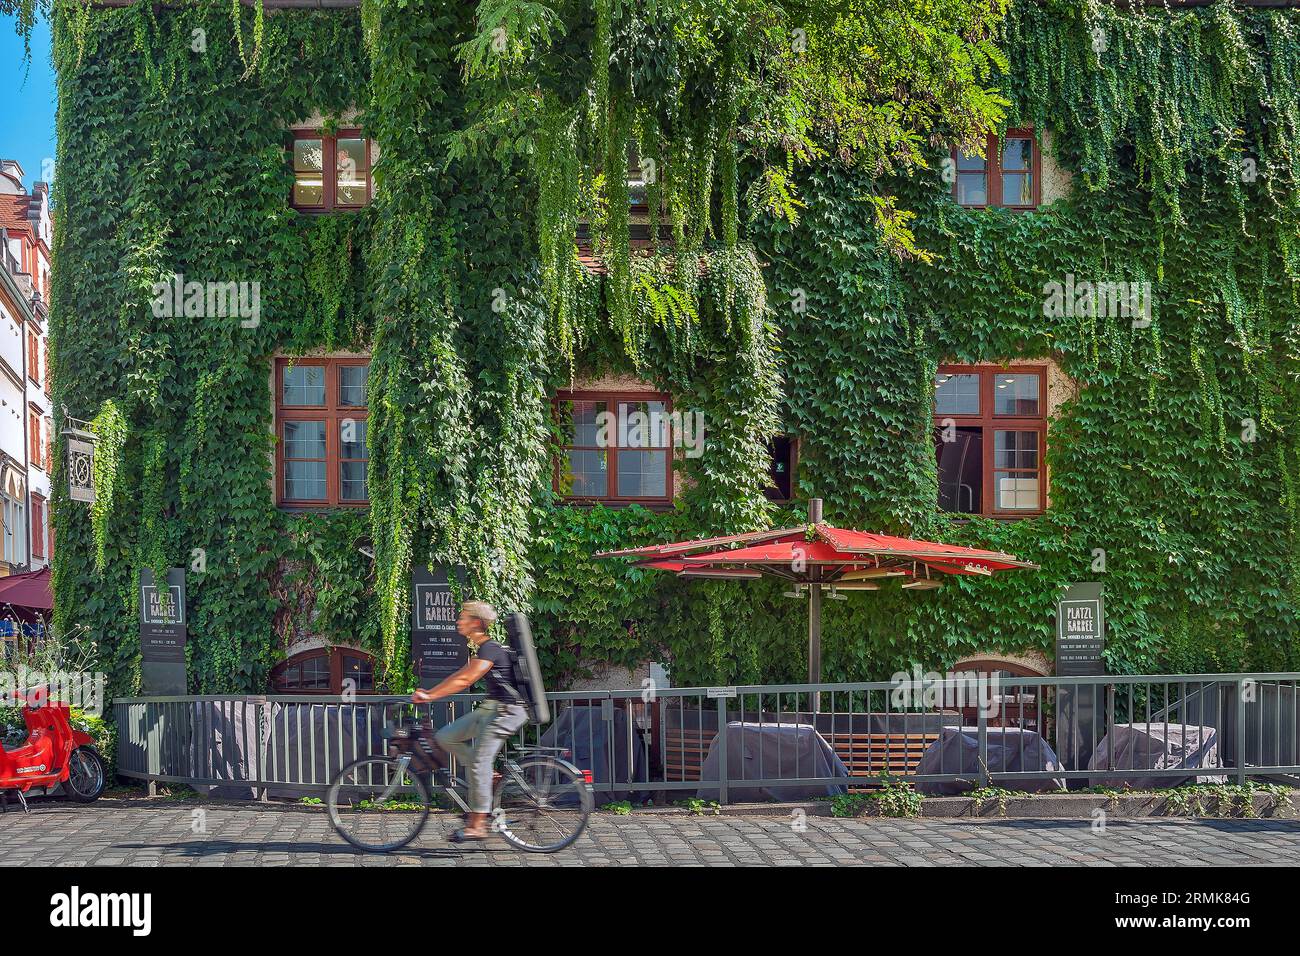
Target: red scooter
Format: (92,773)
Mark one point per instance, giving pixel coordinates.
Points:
(54,753)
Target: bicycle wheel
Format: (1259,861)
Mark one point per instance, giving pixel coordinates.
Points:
(378,805)
(543,807)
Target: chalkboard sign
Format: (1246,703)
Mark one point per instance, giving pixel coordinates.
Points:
(163,633)
(437,649)
(1080,631)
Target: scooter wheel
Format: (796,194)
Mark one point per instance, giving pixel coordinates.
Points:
(85,776)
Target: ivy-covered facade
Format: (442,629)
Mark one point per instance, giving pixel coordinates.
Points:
(476,287)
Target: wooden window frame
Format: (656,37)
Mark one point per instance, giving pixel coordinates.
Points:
(612,400)
(37,521)
(334,656)
(329,164)
(34,358)
(993,172)
(988,423)
(332,413)
(35,447)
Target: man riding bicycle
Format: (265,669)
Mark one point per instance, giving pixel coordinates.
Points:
(490,724)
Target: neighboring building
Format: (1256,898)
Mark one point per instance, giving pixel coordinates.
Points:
(26,410)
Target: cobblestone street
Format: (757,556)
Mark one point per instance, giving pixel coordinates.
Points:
(188,834)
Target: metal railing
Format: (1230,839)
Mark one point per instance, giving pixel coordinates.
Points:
(788,741)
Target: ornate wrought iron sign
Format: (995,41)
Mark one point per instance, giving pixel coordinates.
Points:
(80,445)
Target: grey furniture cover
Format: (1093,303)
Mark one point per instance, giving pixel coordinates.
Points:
(225,741)
(1009,749)
(1156,746)
(603,747)
(772,751)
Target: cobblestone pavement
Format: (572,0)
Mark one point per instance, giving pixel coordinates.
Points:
(154,834)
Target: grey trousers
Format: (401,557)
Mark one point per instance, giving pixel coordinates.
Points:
(489,725)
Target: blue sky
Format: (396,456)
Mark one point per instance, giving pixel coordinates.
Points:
(27,125)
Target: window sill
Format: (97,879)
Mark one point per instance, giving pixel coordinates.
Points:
(955,518)
(351,506)
(659,506)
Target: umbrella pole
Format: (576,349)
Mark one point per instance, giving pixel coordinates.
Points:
(815,641)
(815,615)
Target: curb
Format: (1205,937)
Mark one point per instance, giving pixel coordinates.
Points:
(1065,806)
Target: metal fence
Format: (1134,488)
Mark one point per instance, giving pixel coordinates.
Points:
(771,741)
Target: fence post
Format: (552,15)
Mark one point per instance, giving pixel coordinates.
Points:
(1239,735)
(982,728)
(724,766)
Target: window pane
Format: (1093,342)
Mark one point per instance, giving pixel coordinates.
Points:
(316,674)
(1015,449)
(581,422)
(352,173)
(972,189)
(352,480)
(1015,395)
(352,438)
(308,155)
(1018,154)
(970,162)
(304,439)
(642,425)
(308,191)
(961,469)
(1018,189)
(642,474)
(304,480)
(956,394)
(584,474)
(361,671)
(352,384)
(304,385)
(1016,492)
(308,166)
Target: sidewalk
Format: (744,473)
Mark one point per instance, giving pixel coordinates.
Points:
(172,833)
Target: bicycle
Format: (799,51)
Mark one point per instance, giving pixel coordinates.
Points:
(540,803)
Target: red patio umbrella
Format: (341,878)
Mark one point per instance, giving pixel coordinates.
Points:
(821,557)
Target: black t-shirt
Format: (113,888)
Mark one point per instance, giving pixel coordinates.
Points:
(500,679)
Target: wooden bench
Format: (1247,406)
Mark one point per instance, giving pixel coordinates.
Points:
(684,751)
(870,755)
(864,755)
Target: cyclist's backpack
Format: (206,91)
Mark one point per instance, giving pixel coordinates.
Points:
(527,673)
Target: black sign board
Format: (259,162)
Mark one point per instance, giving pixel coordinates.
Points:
(1080,639)
(1080,631)
(162,633)
(437,649)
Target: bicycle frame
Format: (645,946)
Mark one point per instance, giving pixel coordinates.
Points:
(454,787)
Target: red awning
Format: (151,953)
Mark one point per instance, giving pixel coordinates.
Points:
(30,591)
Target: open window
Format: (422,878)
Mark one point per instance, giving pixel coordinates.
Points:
(990,429)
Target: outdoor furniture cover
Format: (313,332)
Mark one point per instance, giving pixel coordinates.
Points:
(758,751)
(1010,749)
(1156,746)
(603,747)
(224,744)
(311,743)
